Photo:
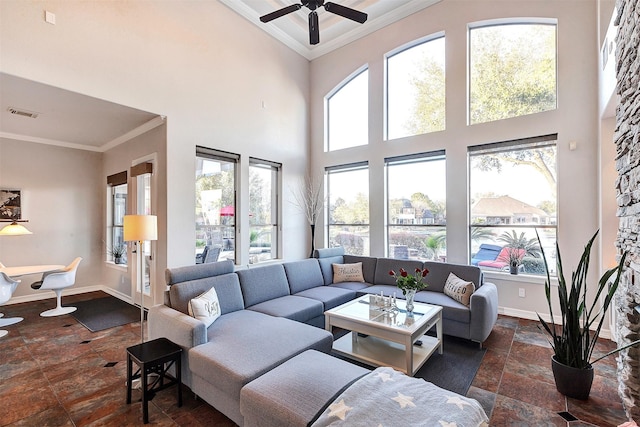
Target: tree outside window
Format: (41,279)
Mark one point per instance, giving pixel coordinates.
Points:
(512,71)
(348,208)
(416,207)
(416,89)
(263,210)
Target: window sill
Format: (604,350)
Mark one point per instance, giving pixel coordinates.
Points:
(493,276)
(119,267)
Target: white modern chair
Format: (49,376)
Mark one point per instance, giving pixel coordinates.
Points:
(7,286)
(57,281)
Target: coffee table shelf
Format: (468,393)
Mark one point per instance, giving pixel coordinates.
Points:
(379,352)
(382,337)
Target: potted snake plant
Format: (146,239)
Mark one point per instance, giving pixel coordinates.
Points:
(573,340)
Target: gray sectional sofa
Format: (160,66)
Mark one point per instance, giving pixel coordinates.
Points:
(273,313)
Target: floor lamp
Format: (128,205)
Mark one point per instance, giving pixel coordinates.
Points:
(140,228)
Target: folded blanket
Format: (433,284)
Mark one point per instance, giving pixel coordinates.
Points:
(387,398)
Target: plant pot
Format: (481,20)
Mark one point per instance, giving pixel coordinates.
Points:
(572,382)
(513,269)
(118,260)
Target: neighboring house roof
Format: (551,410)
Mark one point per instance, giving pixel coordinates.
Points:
(504,206)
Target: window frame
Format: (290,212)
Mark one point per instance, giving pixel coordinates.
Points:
(351,167)
(389,162)
(550,140)
(234,159)
(506,22)
(276,182)
(327,110)
(401,49)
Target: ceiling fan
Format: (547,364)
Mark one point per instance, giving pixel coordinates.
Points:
(314,31)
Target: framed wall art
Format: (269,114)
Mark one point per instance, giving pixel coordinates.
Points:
(10,204)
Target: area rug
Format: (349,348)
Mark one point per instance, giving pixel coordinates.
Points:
(453,370)
(104,313)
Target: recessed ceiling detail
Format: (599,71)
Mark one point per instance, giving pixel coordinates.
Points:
(335,31)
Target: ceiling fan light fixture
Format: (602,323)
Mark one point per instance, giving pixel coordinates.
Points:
(314,31)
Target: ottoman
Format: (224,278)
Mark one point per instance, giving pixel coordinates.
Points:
(294,392)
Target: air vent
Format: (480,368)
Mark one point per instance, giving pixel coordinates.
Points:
(23,113)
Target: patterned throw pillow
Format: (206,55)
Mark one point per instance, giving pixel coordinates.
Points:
(458,289)
(347,272)
(205,307)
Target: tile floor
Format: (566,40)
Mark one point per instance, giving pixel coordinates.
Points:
(54,372)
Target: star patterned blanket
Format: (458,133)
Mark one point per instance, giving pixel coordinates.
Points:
(387,398)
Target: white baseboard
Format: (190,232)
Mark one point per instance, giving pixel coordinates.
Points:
(42,295)
(531,315)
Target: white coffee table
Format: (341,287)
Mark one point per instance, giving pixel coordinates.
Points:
(389,335)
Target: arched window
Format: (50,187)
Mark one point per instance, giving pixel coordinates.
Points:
(347,113)
(416,88)
(512,70)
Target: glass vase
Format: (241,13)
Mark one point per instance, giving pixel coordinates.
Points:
(411,294)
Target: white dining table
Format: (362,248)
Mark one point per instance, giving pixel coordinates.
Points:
(24,270)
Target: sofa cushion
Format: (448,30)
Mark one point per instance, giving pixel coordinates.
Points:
(451,309)
(227,288)
(326,266)
(199,271)
(347,272)
(329,296)
(368,266)
(303,274)
(245,344)
(439,272)
(293,393)
(263,283)
(205,307)
(291,307)
(385,265)
(458,289)
(352,286)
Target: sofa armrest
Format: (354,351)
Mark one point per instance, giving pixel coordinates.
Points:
(182,329)
(484,311)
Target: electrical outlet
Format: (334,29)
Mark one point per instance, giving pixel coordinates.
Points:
(521,293)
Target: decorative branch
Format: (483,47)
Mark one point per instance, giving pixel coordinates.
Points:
(309,198)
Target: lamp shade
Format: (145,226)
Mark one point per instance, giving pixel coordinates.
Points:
(14,229)
(140,228)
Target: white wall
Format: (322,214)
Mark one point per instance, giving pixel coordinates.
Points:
(60,200)
(220,81)
(575,119)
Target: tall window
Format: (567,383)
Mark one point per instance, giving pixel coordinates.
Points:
(347,113)
(215,205)
(416,89)
(116,210)
(263,210)
(416,206)
(348,207)
(513,195)
(512,70)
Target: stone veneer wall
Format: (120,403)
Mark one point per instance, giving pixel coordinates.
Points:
(627,140)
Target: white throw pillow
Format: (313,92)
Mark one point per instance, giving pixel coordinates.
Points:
(347,272)
(458,289)
(205,307)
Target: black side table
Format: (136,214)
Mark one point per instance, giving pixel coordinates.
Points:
(155,356)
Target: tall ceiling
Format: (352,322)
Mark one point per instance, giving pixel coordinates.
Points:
(335,31)
(74,120)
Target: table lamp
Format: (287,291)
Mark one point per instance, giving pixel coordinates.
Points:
(14,229)
(140,228)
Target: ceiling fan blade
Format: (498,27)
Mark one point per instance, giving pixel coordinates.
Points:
(346,12)
(281,12)
(314,31)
